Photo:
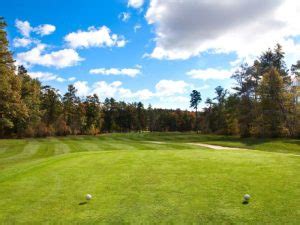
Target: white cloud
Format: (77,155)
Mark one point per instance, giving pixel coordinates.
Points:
(188,28)
(137,27)
(135,3)
(131,72)
(22,42)
(103,89)
(171,87)
(166,90)
(210,74)
(46,76)
(60,79)
(82,88)
(59,59)
(143,94)
(124,16)
(94,37)
(173,102)
(23,27)
(108,90)
(71,78)
(45,29)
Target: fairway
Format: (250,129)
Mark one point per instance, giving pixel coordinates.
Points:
(149,179)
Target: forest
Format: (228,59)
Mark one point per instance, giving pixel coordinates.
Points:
(263,103)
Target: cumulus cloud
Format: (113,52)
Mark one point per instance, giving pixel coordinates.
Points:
(101,88)
(163,89)
(171,87)
(131,72)
(59,59)
(22,42)
(45,29)
(135,3)
(124,16)
(187,28)
(25,28)
(94,37)
(46,76)
(143,94)
(82,88)
(210,74)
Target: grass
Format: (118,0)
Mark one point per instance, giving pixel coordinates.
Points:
(149,178)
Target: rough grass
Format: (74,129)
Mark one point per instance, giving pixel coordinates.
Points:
(136,181)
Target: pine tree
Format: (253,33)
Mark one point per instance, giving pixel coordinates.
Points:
(71,105)
(195,100)
(92,114)
(273,98)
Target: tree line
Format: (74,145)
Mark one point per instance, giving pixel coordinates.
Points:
(264,103)
(29,109)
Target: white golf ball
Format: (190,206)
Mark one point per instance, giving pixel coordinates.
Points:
(88,197)
(247,197)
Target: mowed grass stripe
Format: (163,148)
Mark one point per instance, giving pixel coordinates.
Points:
(60,147)
(72,143)
(46,148)
(13,147)
(28,151)
(85,143)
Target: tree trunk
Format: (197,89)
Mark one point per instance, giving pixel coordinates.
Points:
(196,121)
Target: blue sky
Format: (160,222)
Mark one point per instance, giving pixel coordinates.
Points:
(151,51)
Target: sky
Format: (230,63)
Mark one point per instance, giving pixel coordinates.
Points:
(153,51)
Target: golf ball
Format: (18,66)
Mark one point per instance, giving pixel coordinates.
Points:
(88,197)
(247,197)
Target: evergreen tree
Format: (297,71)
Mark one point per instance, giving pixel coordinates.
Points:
(71,109)
(141,118)
(272,94)
(51,105)
(92,113)
(194,102)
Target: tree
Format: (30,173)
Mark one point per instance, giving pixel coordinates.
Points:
(274,59)
(31,97)
(272,94)
(51,105)
(13,111)
(296,69)
(247,81)
(92,113)
(141,117)
(72,109)
(194,102)
(219,110)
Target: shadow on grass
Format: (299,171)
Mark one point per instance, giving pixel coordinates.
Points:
(82,203)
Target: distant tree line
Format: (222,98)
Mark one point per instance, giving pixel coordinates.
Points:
(265,103)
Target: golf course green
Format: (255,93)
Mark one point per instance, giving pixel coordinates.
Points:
(149,178)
